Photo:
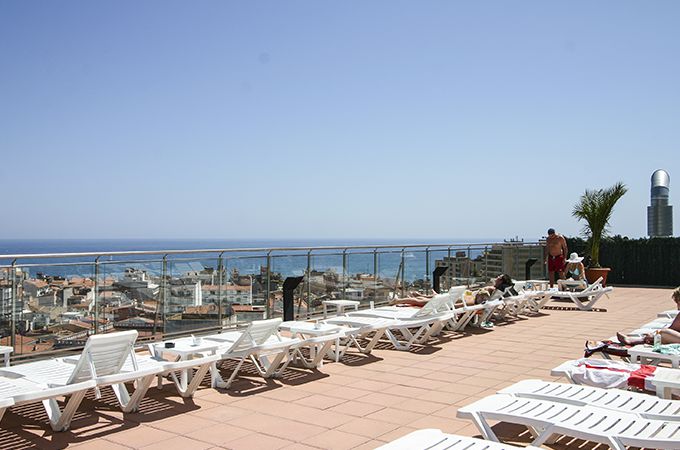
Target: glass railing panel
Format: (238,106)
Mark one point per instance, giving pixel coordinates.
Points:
(281,268)
(416,276)
(47,306)
(129,296)
(390,275)
(361,276)
(326,280)
(191,294)
(244,289)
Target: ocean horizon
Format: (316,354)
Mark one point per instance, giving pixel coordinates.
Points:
(248,263)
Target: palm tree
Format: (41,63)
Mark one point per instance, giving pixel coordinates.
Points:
(595,208)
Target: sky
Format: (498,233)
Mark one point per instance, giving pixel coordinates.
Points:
(343,120)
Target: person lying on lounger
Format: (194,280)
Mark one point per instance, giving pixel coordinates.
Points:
(501,283)
(670,335)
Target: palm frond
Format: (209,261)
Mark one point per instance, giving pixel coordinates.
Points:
(595,208)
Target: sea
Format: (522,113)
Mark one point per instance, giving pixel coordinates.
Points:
(287,263)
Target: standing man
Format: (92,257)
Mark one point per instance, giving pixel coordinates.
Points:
(556,252)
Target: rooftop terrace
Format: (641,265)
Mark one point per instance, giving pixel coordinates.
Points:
(361,403)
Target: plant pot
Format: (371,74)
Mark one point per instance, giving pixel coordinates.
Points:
(593,273)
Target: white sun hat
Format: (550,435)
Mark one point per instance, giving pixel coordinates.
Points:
(574,258)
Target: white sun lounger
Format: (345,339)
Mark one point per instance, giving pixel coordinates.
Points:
(644,405)
(402,334)
(260,343)
(17,390)
(367,328)
(609,374)
(102,360)
(670,314)
(432,439)
(547,420)
(585,299)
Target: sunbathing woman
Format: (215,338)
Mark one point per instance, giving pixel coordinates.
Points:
(501,282)
(416,299)
(670,335)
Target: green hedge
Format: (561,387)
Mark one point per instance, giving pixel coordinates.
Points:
(644,262)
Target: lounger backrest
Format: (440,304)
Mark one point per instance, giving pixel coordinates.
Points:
(105,354)
(593,287)
(456,292)
(435,305)
(257,333)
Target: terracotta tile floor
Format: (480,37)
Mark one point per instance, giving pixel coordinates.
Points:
(362,403)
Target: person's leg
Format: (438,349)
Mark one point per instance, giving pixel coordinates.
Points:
(629,340)
(669,336)
(409,302)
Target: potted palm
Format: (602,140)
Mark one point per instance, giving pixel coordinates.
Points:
(595,209)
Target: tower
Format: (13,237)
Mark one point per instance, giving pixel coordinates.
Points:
(660,213)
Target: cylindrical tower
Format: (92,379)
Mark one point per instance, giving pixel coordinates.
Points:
(660,213)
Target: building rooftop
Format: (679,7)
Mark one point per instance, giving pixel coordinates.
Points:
(362,402)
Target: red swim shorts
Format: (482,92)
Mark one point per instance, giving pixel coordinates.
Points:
(556,263)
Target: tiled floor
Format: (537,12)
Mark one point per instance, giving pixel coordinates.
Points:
(361,403)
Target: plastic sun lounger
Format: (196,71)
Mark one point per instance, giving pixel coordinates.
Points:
(367,328)
(548,420)
(102,360)
(17,390)
(638,403)
(670,314)
(585,299)
(433,439)
(610,374)
(402,334)
(259,343)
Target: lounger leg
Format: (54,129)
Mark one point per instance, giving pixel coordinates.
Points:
(130,403)
(188,391)
(61,420)
(374,340)
(615,444)
(484,427)
(545,436)
(220,383)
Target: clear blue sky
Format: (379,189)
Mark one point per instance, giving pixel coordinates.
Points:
(306,119)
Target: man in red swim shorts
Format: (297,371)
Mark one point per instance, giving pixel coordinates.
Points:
(556,251)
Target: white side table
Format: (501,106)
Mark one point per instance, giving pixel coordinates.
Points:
(665,381)
(6,351)
(340,305)
(185,349)
(643,353)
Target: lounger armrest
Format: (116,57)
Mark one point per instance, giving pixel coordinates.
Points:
(186,364)
(44,393)
(124,377)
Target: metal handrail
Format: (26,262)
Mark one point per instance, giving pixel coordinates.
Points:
(239,250)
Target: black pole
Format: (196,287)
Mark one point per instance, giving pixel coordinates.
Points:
(436,275)
(527,268)
(289,286)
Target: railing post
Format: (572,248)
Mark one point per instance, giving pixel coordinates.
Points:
(344,273)
(268,284)
(309,285)
(451,269)
(403,272)
(427,269)
(14,304)
(375,274)
(486,261)
(162,296)
(469,264)
(220,281)
(96,295)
